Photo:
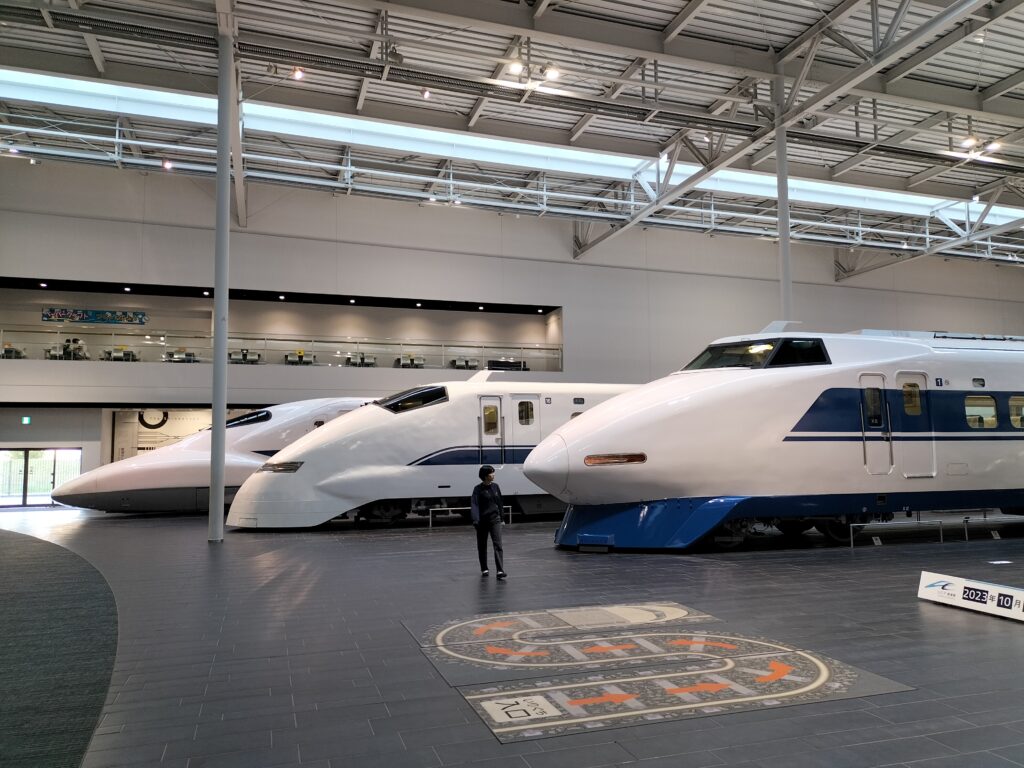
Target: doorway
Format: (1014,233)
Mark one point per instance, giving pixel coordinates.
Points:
(29,475)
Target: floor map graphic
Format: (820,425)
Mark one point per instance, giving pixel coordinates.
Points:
(610,666)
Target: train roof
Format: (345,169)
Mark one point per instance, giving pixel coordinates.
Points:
(929,339)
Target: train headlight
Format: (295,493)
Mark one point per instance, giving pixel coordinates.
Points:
(603,459)
(280,466)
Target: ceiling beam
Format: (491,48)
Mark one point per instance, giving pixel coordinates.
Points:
(880,60)
(831,19)
(611,92)
(497,74)
(684,17)
(967,30)
(905,135)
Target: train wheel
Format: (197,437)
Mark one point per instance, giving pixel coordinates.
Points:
(793,527)
(835,531)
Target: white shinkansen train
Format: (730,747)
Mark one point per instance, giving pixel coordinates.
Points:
(418,449)
(176,478)
(794,430)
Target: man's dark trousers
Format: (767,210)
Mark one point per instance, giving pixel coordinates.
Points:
(491,526)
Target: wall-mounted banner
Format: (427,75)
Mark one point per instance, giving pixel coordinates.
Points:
(105,316)
(982,596)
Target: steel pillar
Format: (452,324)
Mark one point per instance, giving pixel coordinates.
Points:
(782,175)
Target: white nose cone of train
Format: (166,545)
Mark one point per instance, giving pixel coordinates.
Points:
(77,491)
(548,465)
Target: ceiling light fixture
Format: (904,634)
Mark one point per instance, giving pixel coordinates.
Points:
(42,285)
(432,199)
(14,150)
(479,307)
(993,146)
(970,141)
(127,289)
(425,93)
(351,301)
(281,297)
(515,67)
(206,293)
(541,311)
(33,161)
(550,72)
(167,164)
(418,304)
(456,201)
(298,73)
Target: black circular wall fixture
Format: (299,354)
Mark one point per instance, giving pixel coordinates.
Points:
(147,425)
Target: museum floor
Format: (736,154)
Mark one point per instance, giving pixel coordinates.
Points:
(341,647)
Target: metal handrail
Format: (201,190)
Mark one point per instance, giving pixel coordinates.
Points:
(432,510)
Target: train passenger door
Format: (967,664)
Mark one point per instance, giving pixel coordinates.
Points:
(492,431)
(524,428)
(876,425)
(915,450)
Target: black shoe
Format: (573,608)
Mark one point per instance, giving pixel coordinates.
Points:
(485,573)
(502,575)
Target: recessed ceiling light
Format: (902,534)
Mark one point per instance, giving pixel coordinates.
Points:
(432,199)
(167,164)
(127,289)
(281,297)
(42,285)
(479,307)
(456,201)
(14,150)
(206,293)
(298,73)
(418,304)
(351,301)
(425,93)
(541,311)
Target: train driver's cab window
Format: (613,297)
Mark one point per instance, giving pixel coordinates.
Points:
(912,399)
(873,408)
(254,417)
(525,412)
(410,399)
(980,411)
(799,352)
(1016,411)
(490,419)
(745,354)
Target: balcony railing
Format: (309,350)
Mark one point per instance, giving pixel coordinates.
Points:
(254,349)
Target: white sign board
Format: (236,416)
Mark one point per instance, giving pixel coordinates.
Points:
(982,596)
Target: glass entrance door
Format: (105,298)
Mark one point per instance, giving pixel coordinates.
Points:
(29,475)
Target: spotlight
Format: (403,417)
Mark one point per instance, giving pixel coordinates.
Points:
(993,146)
(127,289)
(515,67)
(419,304)
(298,73)
(425,93)
(970,141)
(167,164)
(351,301)
(479,307)
(42,285)
(975,198)
(206,293)
(550,72)
(281,297)
(541,311)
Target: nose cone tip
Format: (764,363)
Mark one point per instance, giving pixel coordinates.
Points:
(548,465)
(70,494)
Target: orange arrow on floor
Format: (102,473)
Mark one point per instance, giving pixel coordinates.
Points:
(609,648)
(610,698)
(699,688)
(483,630)
(709,643)
(778,671)
(495,650)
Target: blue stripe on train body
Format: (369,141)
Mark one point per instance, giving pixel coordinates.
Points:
(680,523)
(474,454)
(838,410)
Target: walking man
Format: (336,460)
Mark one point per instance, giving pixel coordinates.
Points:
(486,509)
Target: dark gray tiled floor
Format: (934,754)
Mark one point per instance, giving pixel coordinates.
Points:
(291,649)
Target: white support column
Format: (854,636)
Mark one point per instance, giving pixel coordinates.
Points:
(225,78)
(782,171)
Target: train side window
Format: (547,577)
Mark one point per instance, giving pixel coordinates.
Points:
(912,399)
(525,412)
(873,407)
(490,419)
(253,417)
(980,411)
(799,352)
(1016,411)
(410,399)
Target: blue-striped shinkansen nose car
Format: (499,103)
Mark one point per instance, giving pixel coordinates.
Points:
(794,430)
